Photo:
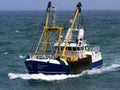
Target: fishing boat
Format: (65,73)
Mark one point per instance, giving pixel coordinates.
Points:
(70,55)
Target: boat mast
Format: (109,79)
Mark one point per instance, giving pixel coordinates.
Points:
(47,13)
(48,28)
(45,30)
(45,33)
(78,10)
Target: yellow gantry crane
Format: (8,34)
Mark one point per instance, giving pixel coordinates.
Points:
(47,30)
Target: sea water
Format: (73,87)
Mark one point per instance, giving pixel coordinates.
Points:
(19,30)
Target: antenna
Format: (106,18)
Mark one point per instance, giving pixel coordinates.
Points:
(54,16)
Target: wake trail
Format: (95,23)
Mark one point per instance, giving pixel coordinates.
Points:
(26,76)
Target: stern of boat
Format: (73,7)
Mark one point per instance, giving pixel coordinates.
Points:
(96,57)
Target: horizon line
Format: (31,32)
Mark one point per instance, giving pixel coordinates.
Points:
(68,10)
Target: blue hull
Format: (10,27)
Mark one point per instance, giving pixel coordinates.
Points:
(35,67)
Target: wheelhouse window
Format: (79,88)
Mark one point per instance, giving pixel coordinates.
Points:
(72,48)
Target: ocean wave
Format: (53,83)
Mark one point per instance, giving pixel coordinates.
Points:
(5,53)
(104,69)
(16,31)
(27,76)
(21,56)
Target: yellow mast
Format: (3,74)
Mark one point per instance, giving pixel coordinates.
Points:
(45,32)
(78,10)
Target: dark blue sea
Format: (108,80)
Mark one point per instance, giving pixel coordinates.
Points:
(20,29)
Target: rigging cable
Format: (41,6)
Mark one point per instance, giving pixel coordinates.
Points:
(36,51)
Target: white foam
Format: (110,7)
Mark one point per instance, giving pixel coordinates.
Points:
(40,76)
(6,53)
(104,69)
(17,31)
(27,76)
(21,56)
